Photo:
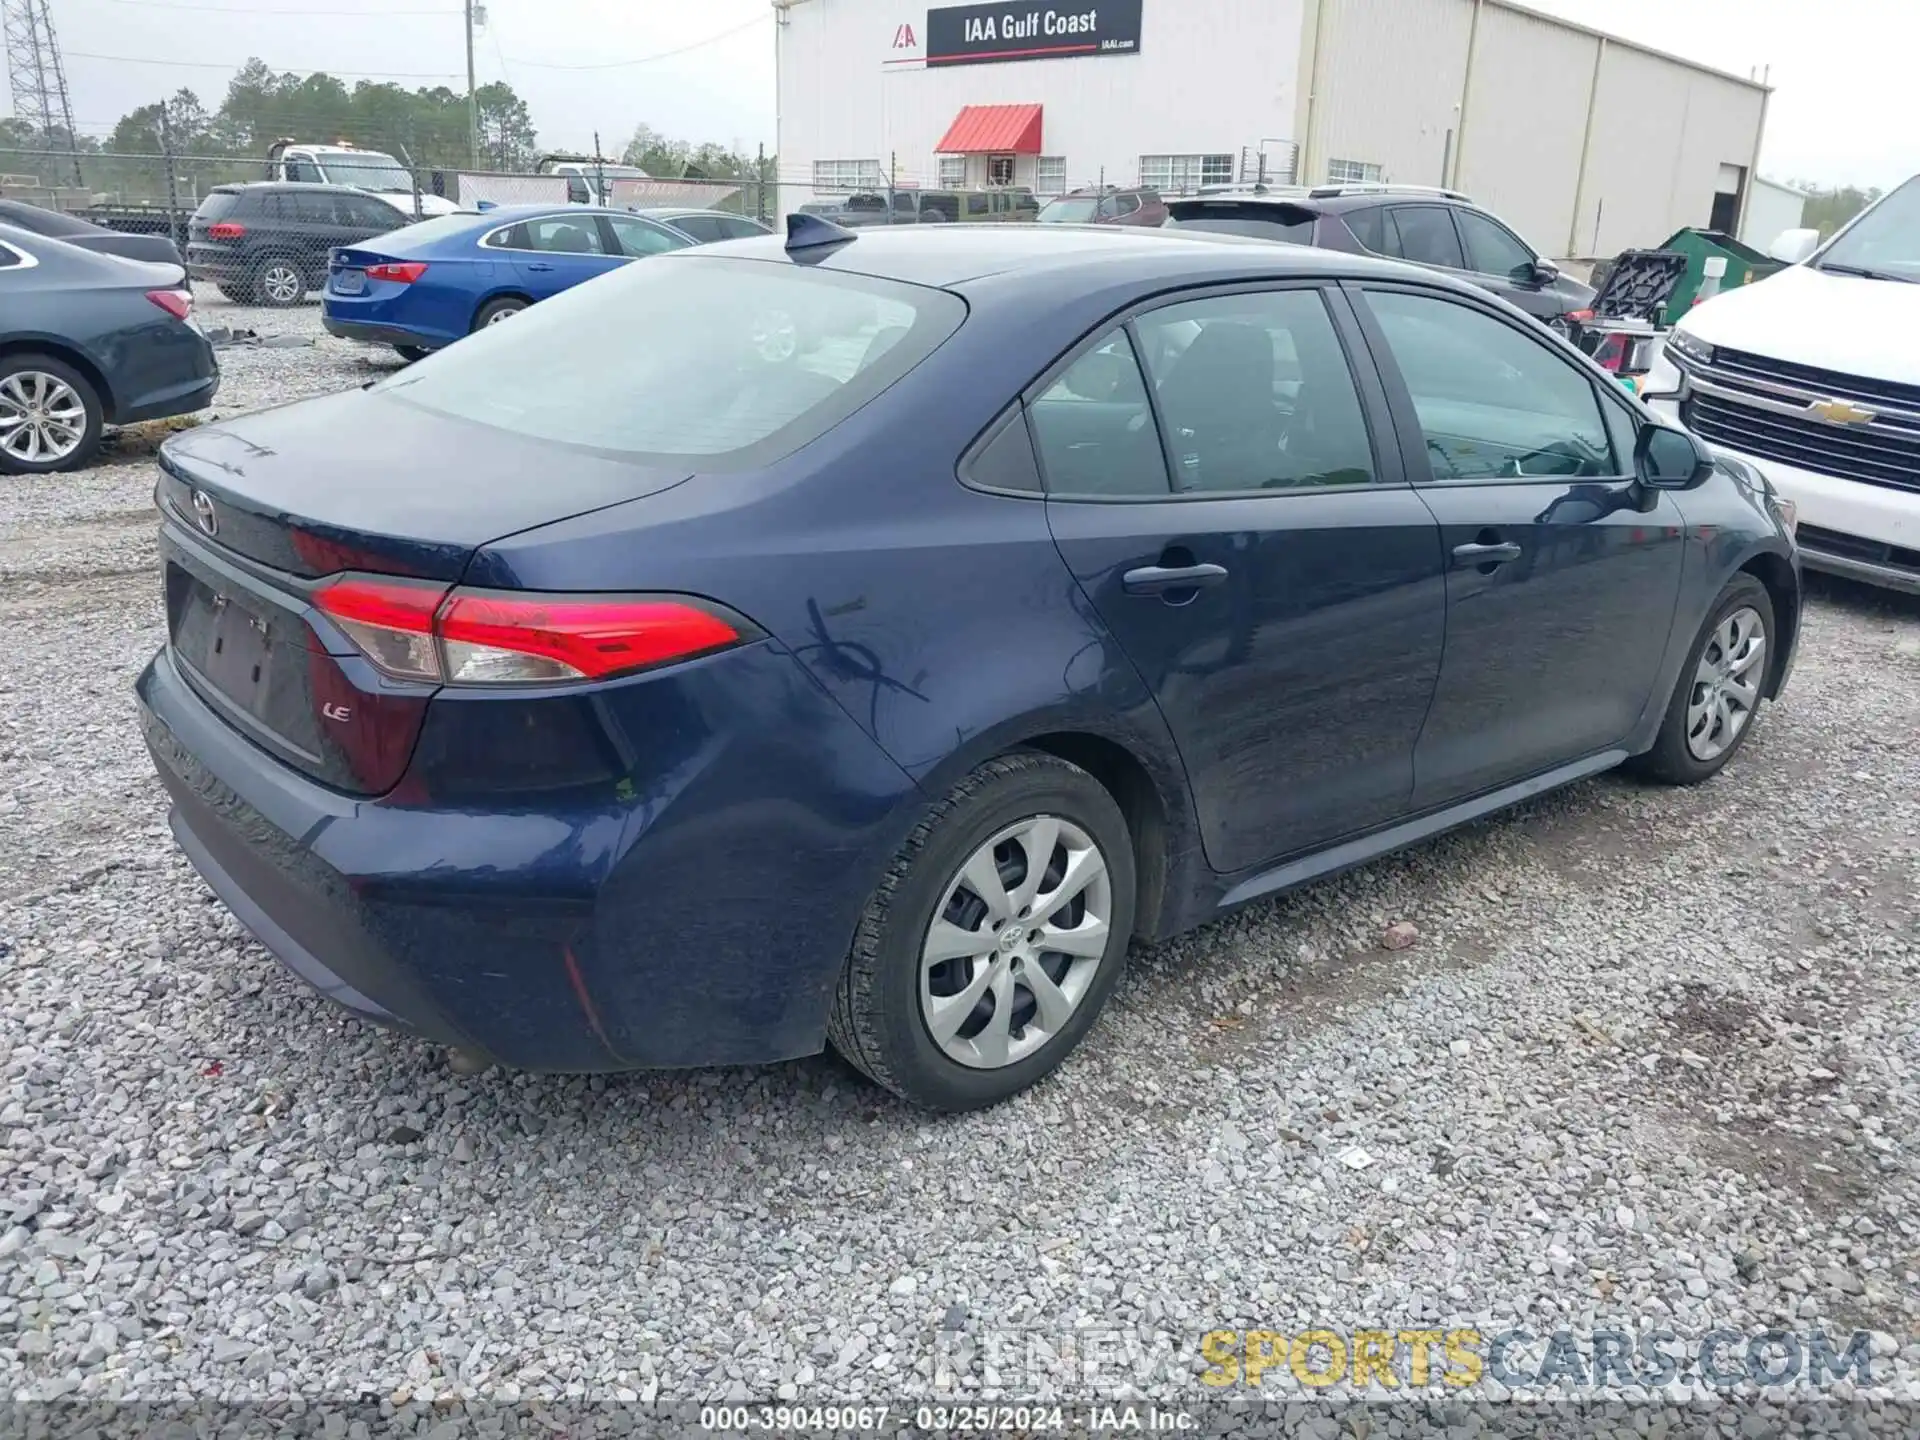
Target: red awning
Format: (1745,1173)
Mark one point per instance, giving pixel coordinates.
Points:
(979,129)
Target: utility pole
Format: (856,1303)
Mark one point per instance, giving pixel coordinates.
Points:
(473,105)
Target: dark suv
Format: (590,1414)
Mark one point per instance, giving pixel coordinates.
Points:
(1111,206)
(267,243)
(1438,228)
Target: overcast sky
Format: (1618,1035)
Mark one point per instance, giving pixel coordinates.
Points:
(1842,70)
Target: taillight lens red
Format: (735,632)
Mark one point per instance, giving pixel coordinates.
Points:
(403,271)
(415,630)
(226,230)
(177,303)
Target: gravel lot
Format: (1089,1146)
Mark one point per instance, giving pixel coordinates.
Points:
(1654,1059)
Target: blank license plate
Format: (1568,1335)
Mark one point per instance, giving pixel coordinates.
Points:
(350,282)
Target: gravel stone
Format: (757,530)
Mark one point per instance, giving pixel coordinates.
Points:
(735,1234)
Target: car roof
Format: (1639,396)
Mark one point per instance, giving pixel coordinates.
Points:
(234,187)
(951,255)
(1329,200)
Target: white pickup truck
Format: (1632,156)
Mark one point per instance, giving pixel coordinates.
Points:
(373,170)
(1813,375)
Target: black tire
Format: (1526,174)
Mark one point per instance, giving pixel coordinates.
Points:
(411,353)
(278,282)
(497,309)
(94,413)
(876,1021)
(1671,761)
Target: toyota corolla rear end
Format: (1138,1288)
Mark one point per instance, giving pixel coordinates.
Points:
(586,829)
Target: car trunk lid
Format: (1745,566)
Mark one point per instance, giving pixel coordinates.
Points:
(262,507)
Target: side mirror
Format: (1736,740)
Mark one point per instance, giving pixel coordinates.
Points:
(1545,272)
(1669,459)
(1790,247)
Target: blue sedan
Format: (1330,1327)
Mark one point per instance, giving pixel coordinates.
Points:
(860,639)
(426,285)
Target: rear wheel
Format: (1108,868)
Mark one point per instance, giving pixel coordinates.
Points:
(1717,699)
(278,282)
(411,353)
(50,416)
(495,311)
(994,939)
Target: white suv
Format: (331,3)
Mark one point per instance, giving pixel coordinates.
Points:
(1814,375)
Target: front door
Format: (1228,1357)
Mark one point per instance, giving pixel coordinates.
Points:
(1282,594)
(1563,571)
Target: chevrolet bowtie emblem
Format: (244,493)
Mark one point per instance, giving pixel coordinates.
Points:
(1841,412)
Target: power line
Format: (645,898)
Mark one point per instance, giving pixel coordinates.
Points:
(269,14)
(293,70)
(648,59)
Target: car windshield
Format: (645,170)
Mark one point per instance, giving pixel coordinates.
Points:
(705,362)
(367,172)
(1071,210)
(1883,244)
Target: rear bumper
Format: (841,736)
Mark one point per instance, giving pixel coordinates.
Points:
(181,399)
(370,332)
(696,917)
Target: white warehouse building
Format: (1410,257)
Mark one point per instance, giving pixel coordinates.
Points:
(1585,143)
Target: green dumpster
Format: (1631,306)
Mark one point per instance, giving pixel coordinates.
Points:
(1744,265)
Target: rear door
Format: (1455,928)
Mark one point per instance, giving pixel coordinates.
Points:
(552,253)
(1563,573)
(1216,487)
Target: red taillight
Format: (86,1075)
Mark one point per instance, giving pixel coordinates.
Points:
(177,303)
(404,272)
(415,630)
(226,230)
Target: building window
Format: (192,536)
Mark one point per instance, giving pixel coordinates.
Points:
(1176,174)
(1050,175)
(953,172)
(1000,170)
(1352,172)
(847,175)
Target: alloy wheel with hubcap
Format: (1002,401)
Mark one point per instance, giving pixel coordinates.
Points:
(43,420)
(1726,684)
(281,283)
(1014,945)
(994,937)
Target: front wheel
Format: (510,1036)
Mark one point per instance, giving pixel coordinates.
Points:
(50,416)
(411,353)
(1717,698)
(994,939)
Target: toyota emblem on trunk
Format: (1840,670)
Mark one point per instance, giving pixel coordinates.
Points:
(203,513)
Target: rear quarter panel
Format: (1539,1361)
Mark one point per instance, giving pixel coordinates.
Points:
(940,619)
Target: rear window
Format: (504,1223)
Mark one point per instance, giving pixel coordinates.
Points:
(712,363)
(218,205)
(1288,223)
(425,232)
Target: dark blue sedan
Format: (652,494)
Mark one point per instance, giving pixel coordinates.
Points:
(426,285)
(861,640)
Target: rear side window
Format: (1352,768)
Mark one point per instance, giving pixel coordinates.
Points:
(1094,427)
(312,208)
(703,228)
(564,235)
(1289,223)
(741,229)
(1255,393)
(693,360)
(1369,227)
(1427,237)
(217,206)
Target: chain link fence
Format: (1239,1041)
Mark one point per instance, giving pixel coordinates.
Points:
(156,193)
